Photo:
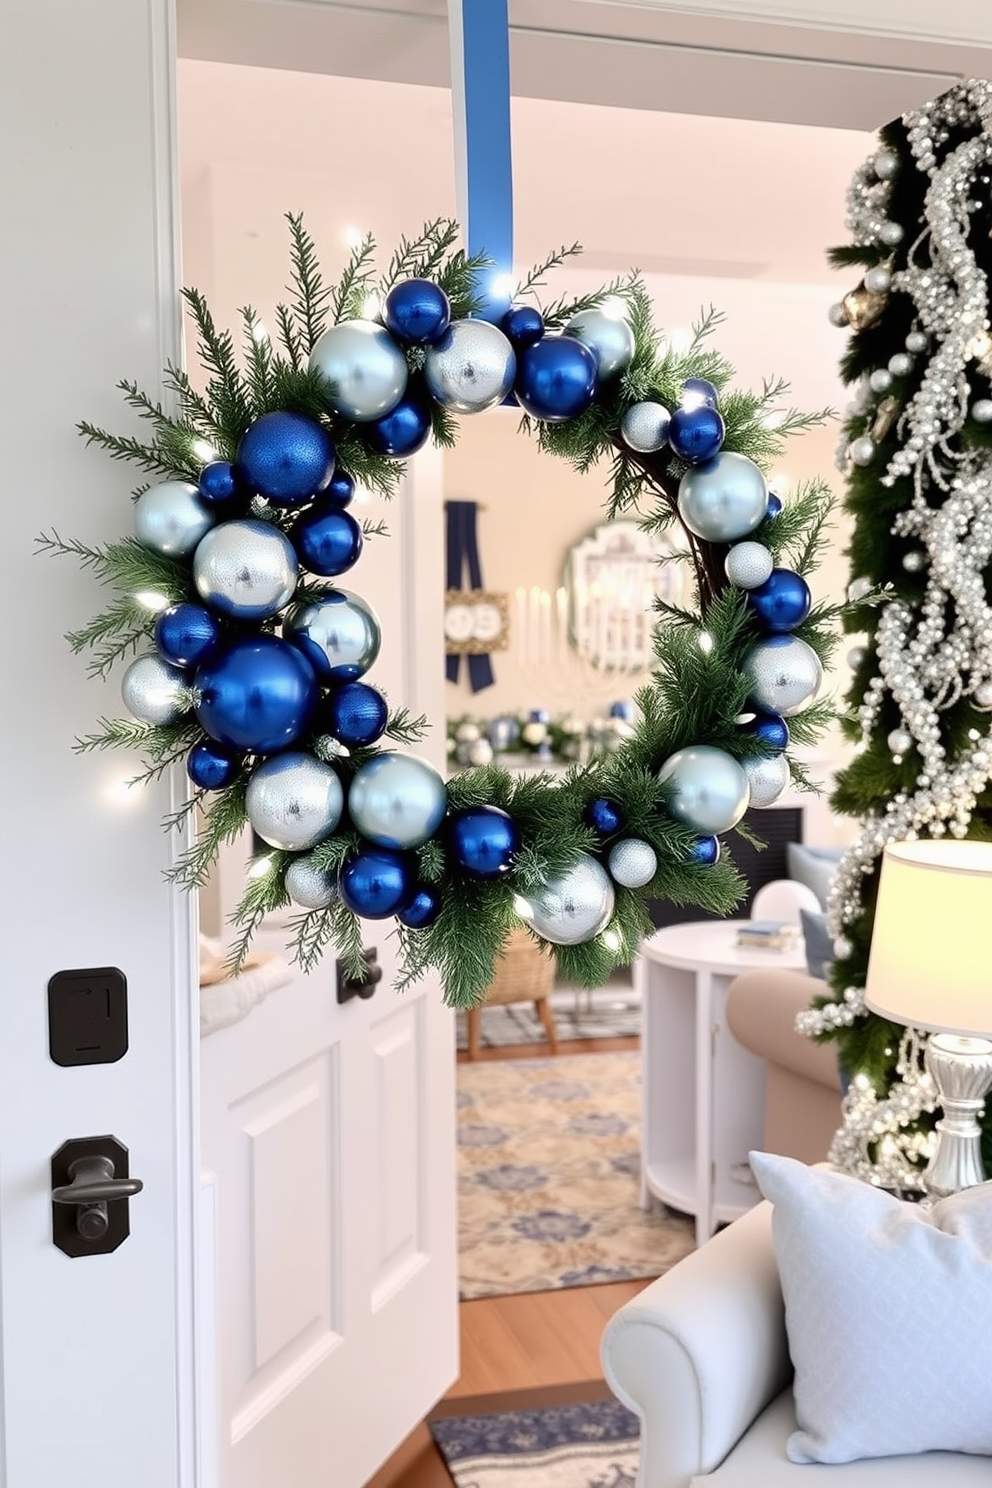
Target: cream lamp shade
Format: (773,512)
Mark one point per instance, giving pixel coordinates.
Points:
(931,951)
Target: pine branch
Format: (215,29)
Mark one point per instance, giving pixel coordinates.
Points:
(222,822)
(537,275)
(310,297)
(125,447)
(351,287)
(406,729)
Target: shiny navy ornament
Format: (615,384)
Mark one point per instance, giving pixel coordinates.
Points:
(782,602)
(355,714)
(327,539)
(696,434)
(377,882)
(609,338)
(644,426)
(404,430)
(724,498)
(256,695)
(154,691)
(632,863)
(709,789)
(397,800)
(705,851)
(783,674)
(767,778)
(286,457)
(339,635)
(170,518)
(774,506)
(556,379)
(604,816)
(309,885)
(471,368)
(340,488)
(246,569)
(698,392)
(213,766)
(484,840)
(522,325)
(748,564)
(574,906)
(293,801)
(422,910)
(217,483)
(417,312)
(185,634)
(364,369)
(770,729)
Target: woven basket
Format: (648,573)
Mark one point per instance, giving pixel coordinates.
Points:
(525,972)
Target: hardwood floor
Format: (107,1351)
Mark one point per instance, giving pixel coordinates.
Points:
(532,1349)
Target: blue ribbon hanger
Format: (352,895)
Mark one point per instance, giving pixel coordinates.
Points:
(462,550)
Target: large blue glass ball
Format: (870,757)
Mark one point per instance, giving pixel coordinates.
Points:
(364,369)
(397,800)
(246,569)
(293,801)
(782,602)
(724,498)
(417,312)
(355,714)
(783,674)
(185,634)
(327,539)
(218,483)
(709,789)
(422,910)
(257,695)
(170,518)
(340,488)
(607,336)
(404,430)
(212,766)
(698,392)
(604,816)
(522,326)
(574,906)
(770,728)
(338,634)
(484,840)
(696,434)
(377,882)
(705,851)
(556,379)
(286,457)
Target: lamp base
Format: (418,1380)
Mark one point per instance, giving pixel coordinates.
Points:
(962,1071)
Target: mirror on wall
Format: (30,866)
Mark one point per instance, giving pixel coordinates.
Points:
(612,578)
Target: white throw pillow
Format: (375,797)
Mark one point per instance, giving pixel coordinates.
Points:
(888,1310)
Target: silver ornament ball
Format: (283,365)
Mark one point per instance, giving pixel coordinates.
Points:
(293,801)
(154,691)
(366,372)
(880,380)
(981,411)
(900,741)
(339,635)
(246,569)
(982,697)
(644,427)
(859,589)
(397,800)
(885,163)
(878,280)
(913,561)
(309,886)
(767,778)
(856,656)
(862,451)
(480,753)
(171,517)
(783,674)
(574,906)
(838,316)
(891,234)
(607,336)
(471,368)
(917,342)
(724,498)
(748,564)
(709,788)
(900,364)
(632,863)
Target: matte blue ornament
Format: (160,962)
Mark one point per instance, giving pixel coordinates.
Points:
(404,430)
(484,840)
(417,312)
(782,602)
(522,325)
(422,910)
(218,484)
(286,457)
(257,695)
(212,766)
(185,634)
(774,506)
(557,379)
(339,634)
(770,728)
(698,392)
(355,714)
(340,489)
(327,539)
(604,816)
(377,882)
(397,800)
(696,434)
(705,850)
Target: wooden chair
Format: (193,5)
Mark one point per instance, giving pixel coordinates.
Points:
(524,973)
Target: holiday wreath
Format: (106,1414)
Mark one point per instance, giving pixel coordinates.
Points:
(255,672)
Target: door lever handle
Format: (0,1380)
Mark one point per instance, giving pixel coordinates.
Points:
(93,1182)
(90,1210)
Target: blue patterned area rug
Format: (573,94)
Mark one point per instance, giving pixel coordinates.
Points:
(610,1011)
(565,1446)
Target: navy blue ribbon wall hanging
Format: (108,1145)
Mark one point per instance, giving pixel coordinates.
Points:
(462,550)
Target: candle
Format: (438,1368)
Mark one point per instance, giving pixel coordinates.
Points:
(561,598)
(521,624)
(534,617)
(545,628)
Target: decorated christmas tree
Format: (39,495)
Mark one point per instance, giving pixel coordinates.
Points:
(917,452)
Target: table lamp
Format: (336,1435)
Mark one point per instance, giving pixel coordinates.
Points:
(930,967)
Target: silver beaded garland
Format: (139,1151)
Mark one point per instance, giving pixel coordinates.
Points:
(308,885)
(293,801)
(900,741)
(632,862)
(982,697)
(471,368)
(644,426)
(574,906)
(154,691)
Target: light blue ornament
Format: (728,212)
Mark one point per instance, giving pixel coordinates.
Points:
(293,801)
(767,778)
(397,800)
(783,673)
(154,691)
(308,885)
(724,498)
(339,635)
(644,426)
(709,788)
(245,569)
(609,338)
(471,367)
(171,518)
(366,372)
(574,906)
(632,863)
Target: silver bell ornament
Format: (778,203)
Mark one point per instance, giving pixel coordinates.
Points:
(644,427)
(709,788)
(914,561)
(783,675)
(917,342)
(900,741)
(293,801)
(891,234)
(748,564)
(246,569)
(609,338)
(767,778)
(155,692)
(632,863)
(365,370)
(885,163)
(339,635)
(838,316)
(574,906)
(471,368)
(309,886)
(856,656)
(170,518)
(397,800)
(724,498)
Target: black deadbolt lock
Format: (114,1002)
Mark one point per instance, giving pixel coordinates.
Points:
(90,1191)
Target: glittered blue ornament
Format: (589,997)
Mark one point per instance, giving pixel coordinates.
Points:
(696,434)
(377,882)
(327,539)
(556,379)
(770,728)
(286,458)
(417,312)
(340,489)
(698,392)
(774,506)
(782,602)
(355,714)
(257,695)
(218,483)
(212,766)
(185,634)
(422,910)
(705,850)
(484,840)
(404,430)
(604,816)
(522,325)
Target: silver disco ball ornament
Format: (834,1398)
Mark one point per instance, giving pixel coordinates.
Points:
(471,368)
(767,778)
(397,800)
(293,801)
(339,635)
(783,674)
(609,338)
(644,427)
(309,886)
(709,790)
(574,906)
(724,498)
(246,569)
(748,564)
(365,370)
(171,517)
(632,863)
(154,691)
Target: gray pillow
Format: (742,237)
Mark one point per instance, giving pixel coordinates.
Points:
(819,946)
(813,866)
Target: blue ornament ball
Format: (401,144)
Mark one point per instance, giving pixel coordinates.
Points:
(286,457)
(705,850)
(404,430)
(774,506)
(340,488)
(604,816)
(484,840)
(339,634)
(698,392)
(355,714)
(185,634)
(782,602)
(422,910)
(696,434)
(397,800)
(377,882)
(417,312)
(327,539)
(557,379)
(770,728)
(218,483)
(212,766)
(522,325)
(258,695)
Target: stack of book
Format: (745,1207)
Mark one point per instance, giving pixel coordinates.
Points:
(767,935)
